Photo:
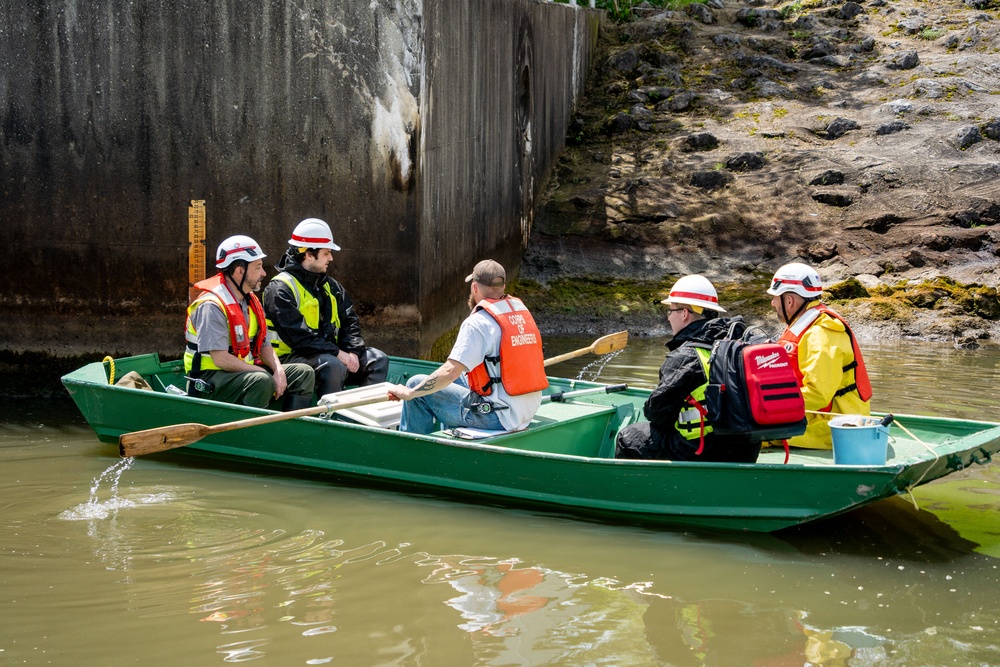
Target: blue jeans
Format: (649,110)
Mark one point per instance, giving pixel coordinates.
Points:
(445,406)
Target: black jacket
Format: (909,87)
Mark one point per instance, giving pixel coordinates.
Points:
(681,373)
(280,308)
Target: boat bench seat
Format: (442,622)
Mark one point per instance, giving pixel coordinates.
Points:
(577,428)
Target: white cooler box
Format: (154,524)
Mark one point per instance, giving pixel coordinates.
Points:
(385,414)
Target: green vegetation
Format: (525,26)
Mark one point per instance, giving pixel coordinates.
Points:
(622,10)
(930,34)
(894,301)
(442,346)
(594,296)
(790,10)
(637,302)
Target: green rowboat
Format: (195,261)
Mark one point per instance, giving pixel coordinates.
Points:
(562,463)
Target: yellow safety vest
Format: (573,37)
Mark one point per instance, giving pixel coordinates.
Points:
(308,306)
(689,419)
(243,341)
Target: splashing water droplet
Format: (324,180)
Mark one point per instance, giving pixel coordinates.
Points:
(596,367)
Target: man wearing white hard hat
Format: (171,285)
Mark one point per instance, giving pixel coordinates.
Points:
(674,427)
(227,357)
(828,361)
(312,319)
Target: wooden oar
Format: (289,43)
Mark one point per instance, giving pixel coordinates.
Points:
(163,438)
(603,345)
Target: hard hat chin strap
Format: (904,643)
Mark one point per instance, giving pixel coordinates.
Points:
(798,311)
(228,271)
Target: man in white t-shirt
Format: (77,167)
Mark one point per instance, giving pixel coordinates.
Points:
(508,380)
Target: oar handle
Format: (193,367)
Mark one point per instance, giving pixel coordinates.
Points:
(566,357)
(322,408)
(561,396)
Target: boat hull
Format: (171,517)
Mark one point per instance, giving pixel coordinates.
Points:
(565,465)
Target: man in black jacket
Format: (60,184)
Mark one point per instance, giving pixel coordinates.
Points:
(676,430)
(312,320)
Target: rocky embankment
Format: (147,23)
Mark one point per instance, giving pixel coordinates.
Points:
(734,136)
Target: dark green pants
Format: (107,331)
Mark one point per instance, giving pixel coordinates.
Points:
(256,388)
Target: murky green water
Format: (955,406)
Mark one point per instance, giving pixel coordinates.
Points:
(169,562)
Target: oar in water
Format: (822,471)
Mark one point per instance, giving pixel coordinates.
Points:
(163,438)
(603,345)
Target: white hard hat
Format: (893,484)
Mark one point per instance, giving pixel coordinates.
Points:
(799,278)
(237,247)
(695,291)
(312,233)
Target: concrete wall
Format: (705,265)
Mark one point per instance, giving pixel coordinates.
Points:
(421,131)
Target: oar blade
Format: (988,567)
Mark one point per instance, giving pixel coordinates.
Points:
(160,439)
(610,343)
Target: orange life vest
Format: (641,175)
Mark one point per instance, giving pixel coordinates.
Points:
(793,335)
(520,364)
(245,339)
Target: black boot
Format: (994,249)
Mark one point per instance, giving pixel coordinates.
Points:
(296,402)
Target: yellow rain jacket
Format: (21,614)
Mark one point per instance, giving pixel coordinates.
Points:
(824,350)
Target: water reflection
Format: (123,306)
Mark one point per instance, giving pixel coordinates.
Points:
(619,597)
(194,563)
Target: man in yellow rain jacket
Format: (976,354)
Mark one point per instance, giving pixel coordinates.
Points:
(828,361)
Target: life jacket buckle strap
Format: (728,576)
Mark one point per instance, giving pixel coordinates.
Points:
(846,390)
(702,411)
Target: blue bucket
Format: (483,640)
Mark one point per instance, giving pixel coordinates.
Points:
(859,440)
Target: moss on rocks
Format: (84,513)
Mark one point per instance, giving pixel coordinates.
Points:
(635,303)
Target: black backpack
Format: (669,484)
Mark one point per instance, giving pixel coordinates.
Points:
(753,391)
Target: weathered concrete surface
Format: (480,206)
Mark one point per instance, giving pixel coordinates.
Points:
(422,133)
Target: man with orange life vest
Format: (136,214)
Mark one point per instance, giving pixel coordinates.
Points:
(227,357)
(676,429)
(827,358)
(495,373)
(312,320)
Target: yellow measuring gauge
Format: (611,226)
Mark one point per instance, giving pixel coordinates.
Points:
(196,244)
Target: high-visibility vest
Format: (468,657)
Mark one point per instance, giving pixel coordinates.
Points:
(308,306)
(692,422)
(520,363)
(245,338)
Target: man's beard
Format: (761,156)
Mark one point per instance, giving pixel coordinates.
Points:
(472,302)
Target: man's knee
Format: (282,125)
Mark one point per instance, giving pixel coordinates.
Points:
(331,374)
(258,389)
(633,441)
(301,378)
(377,365)
(415,380)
